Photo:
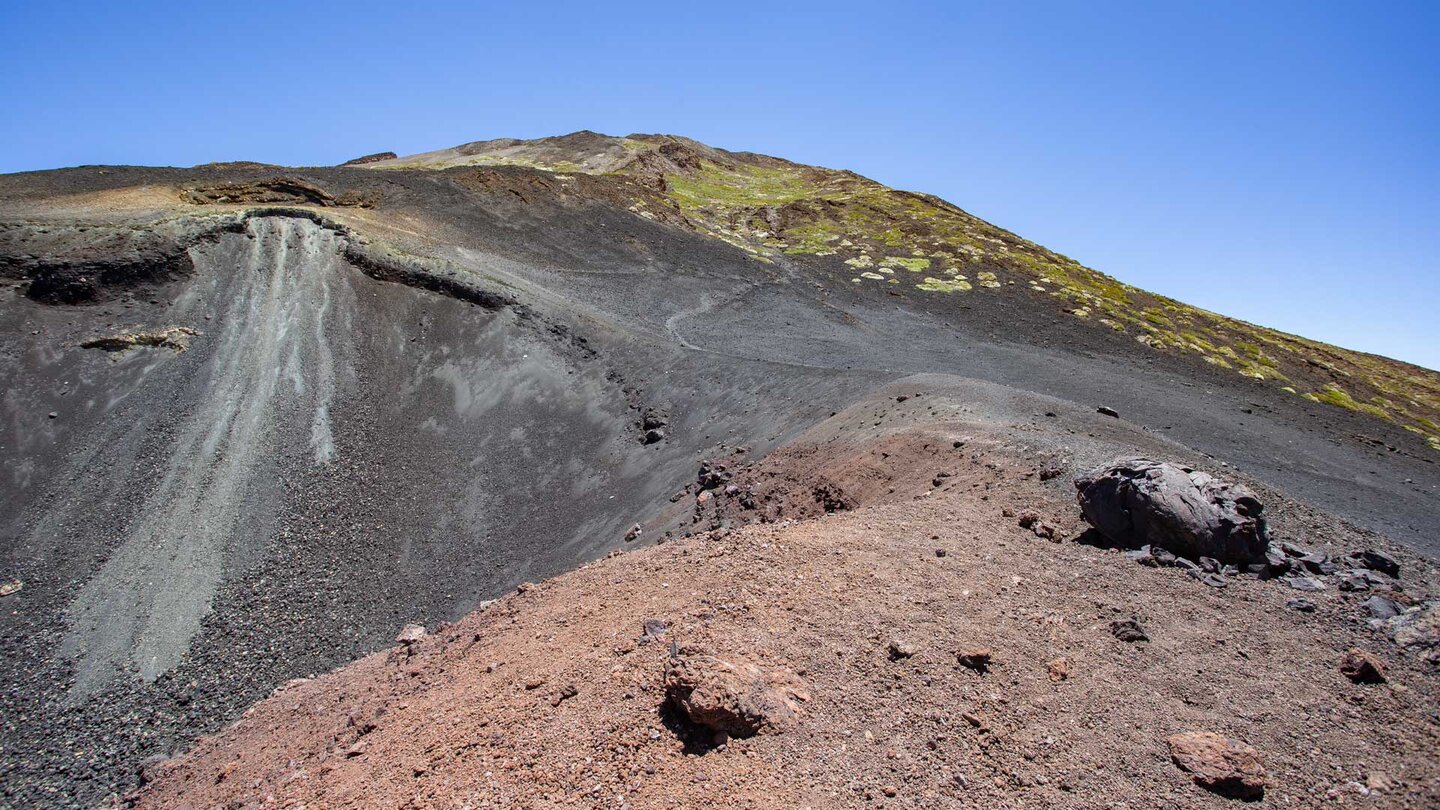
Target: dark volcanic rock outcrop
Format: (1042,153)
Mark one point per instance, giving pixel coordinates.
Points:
(1138,502)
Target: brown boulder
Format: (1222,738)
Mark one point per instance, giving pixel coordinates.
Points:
(731,696)
(1219,764)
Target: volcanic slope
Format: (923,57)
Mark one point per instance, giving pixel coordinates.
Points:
(939,654)
(257,418)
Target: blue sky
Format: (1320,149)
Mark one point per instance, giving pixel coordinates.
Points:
(1278,162)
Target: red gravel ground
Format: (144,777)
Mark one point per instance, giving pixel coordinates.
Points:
(481,713)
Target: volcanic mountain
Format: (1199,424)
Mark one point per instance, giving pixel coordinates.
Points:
(261,418)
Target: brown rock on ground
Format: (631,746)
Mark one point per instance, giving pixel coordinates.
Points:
(1361,666)
(1219,764)
(731,696)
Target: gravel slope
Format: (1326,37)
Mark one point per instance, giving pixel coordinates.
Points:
(554,695)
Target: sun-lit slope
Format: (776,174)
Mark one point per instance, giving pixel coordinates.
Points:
(921,244)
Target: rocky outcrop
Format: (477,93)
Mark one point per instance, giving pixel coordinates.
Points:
(1138,502)
(276,190)
(375,158)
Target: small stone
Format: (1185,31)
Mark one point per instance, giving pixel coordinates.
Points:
(1027,518)
(940,552)
(1059,669)
(900,649)
(1352,581)
(1107,411)
(1301,604)
(1128,630)
(652,630)
(12,587)
(1213,580)
(1381,607)
(411,635)
(1318,563)
(1142,556)
(889,791)
(1361,667)
(1377,561)
(1219,764)
(1305,583)
(53,414)
(566,692)
(976,658)
(534,683)
(634,533)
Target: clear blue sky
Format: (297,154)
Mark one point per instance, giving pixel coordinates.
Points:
(1278,162)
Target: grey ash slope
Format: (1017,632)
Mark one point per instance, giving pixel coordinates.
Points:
(337,454)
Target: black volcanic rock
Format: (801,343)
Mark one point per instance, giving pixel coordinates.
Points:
(1138,502)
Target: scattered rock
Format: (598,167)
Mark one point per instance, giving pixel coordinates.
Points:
(411,635)
(940,552)
(1381,607)
(1375,561)
(1108,411)
(1301,604)
(653,436)
(1128,630)
(1050,472)
(1142,555)
(634,533)
(1418,630)
(1318,563)
(1305,583)
(1213,580)
(653,630)
(1059,669)
(176,338)
(902,649)
(1362,667)
(735,697)
(976,658)
(1218,764)
(1135,502)
(12,587)
(1352,581)
(1028,518)
(534,683)
(565,693)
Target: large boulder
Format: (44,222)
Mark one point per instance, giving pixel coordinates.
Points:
(1138,502)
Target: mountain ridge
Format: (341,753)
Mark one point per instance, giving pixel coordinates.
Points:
(1379,386)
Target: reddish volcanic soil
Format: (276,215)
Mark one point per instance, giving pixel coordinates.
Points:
(549,698)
